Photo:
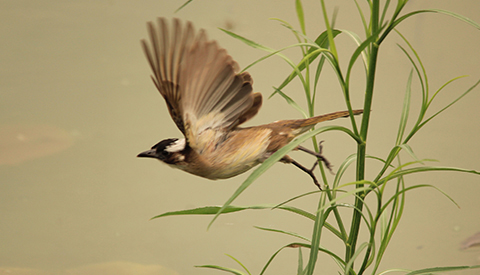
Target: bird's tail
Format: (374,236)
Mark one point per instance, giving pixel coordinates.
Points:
(321,118)
(300,126)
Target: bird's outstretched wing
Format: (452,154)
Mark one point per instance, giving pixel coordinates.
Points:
(198,80)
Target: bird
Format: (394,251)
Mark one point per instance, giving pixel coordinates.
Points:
(208,99)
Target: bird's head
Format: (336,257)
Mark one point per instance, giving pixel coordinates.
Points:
(170,151)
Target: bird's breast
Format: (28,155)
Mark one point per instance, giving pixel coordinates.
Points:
(236,152)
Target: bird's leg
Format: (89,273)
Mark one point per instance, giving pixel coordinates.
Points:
(288,159)
(318,155)
(308,171)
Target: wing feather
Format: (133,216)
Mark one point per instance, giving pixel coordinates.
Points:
(198,80)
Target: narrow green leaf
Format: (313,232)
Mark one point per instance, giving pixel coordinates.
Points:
(316,235)
(359,51)
(318,71)
(207,210)
(240,263)
(354,257)
(398,204)
(281,55)
(445,85)
(300,15)
(422,74)
(297,245)
(441,269)
(293,234)
(449,105)
(322,43)
(409,150)
(362,16)
(213,210)
(393,270)
(248,41)
(424,169)
(457,16)
(384,13)
(358,41)
(388,162)
(408,15)
(182,6)
(296,197)
(399,193)
(405,110)
(342,169)
(231,270)
(329,31)
(291,102)
(300,262)
(296,211)
(270,260)
(298,35)
(307,214)
(353,192)
(422,77)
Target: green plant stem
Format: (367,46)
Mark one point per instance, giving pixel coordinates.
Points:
(361,152)
(357,216)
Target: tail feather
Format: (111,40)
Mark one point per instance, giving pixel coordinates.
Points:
(302,125)
(284,131)
(317,119)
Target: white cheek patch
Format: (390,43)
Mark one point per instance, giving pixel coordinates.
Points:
(176,146)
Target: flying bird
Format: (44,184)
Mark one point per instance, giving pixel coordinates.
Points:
(208,100)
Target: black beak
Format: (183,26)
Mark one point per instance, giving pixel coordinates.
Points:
(152,153)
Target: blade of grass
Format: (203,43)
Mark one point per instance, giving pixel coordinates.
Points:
(405,110)
(298,35)
(183,5)
(362,16)
(300,15)
(322,43)
(300,262)
(297,245)
(354,257)
(449,105)
(328,226)
(291,102)
(230,270)
(316,235)
(425,169)
(293,234)
(358,41)
(408,15)
(359,50)
(238,262)
(441,269)
(398,204)
(212,210)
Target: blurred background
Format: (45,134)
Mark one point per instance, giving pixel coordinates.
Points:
(77,105)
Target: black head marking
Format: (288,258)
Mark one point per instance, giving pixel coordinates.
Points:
(162,150)
(168,150)
(164,144)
